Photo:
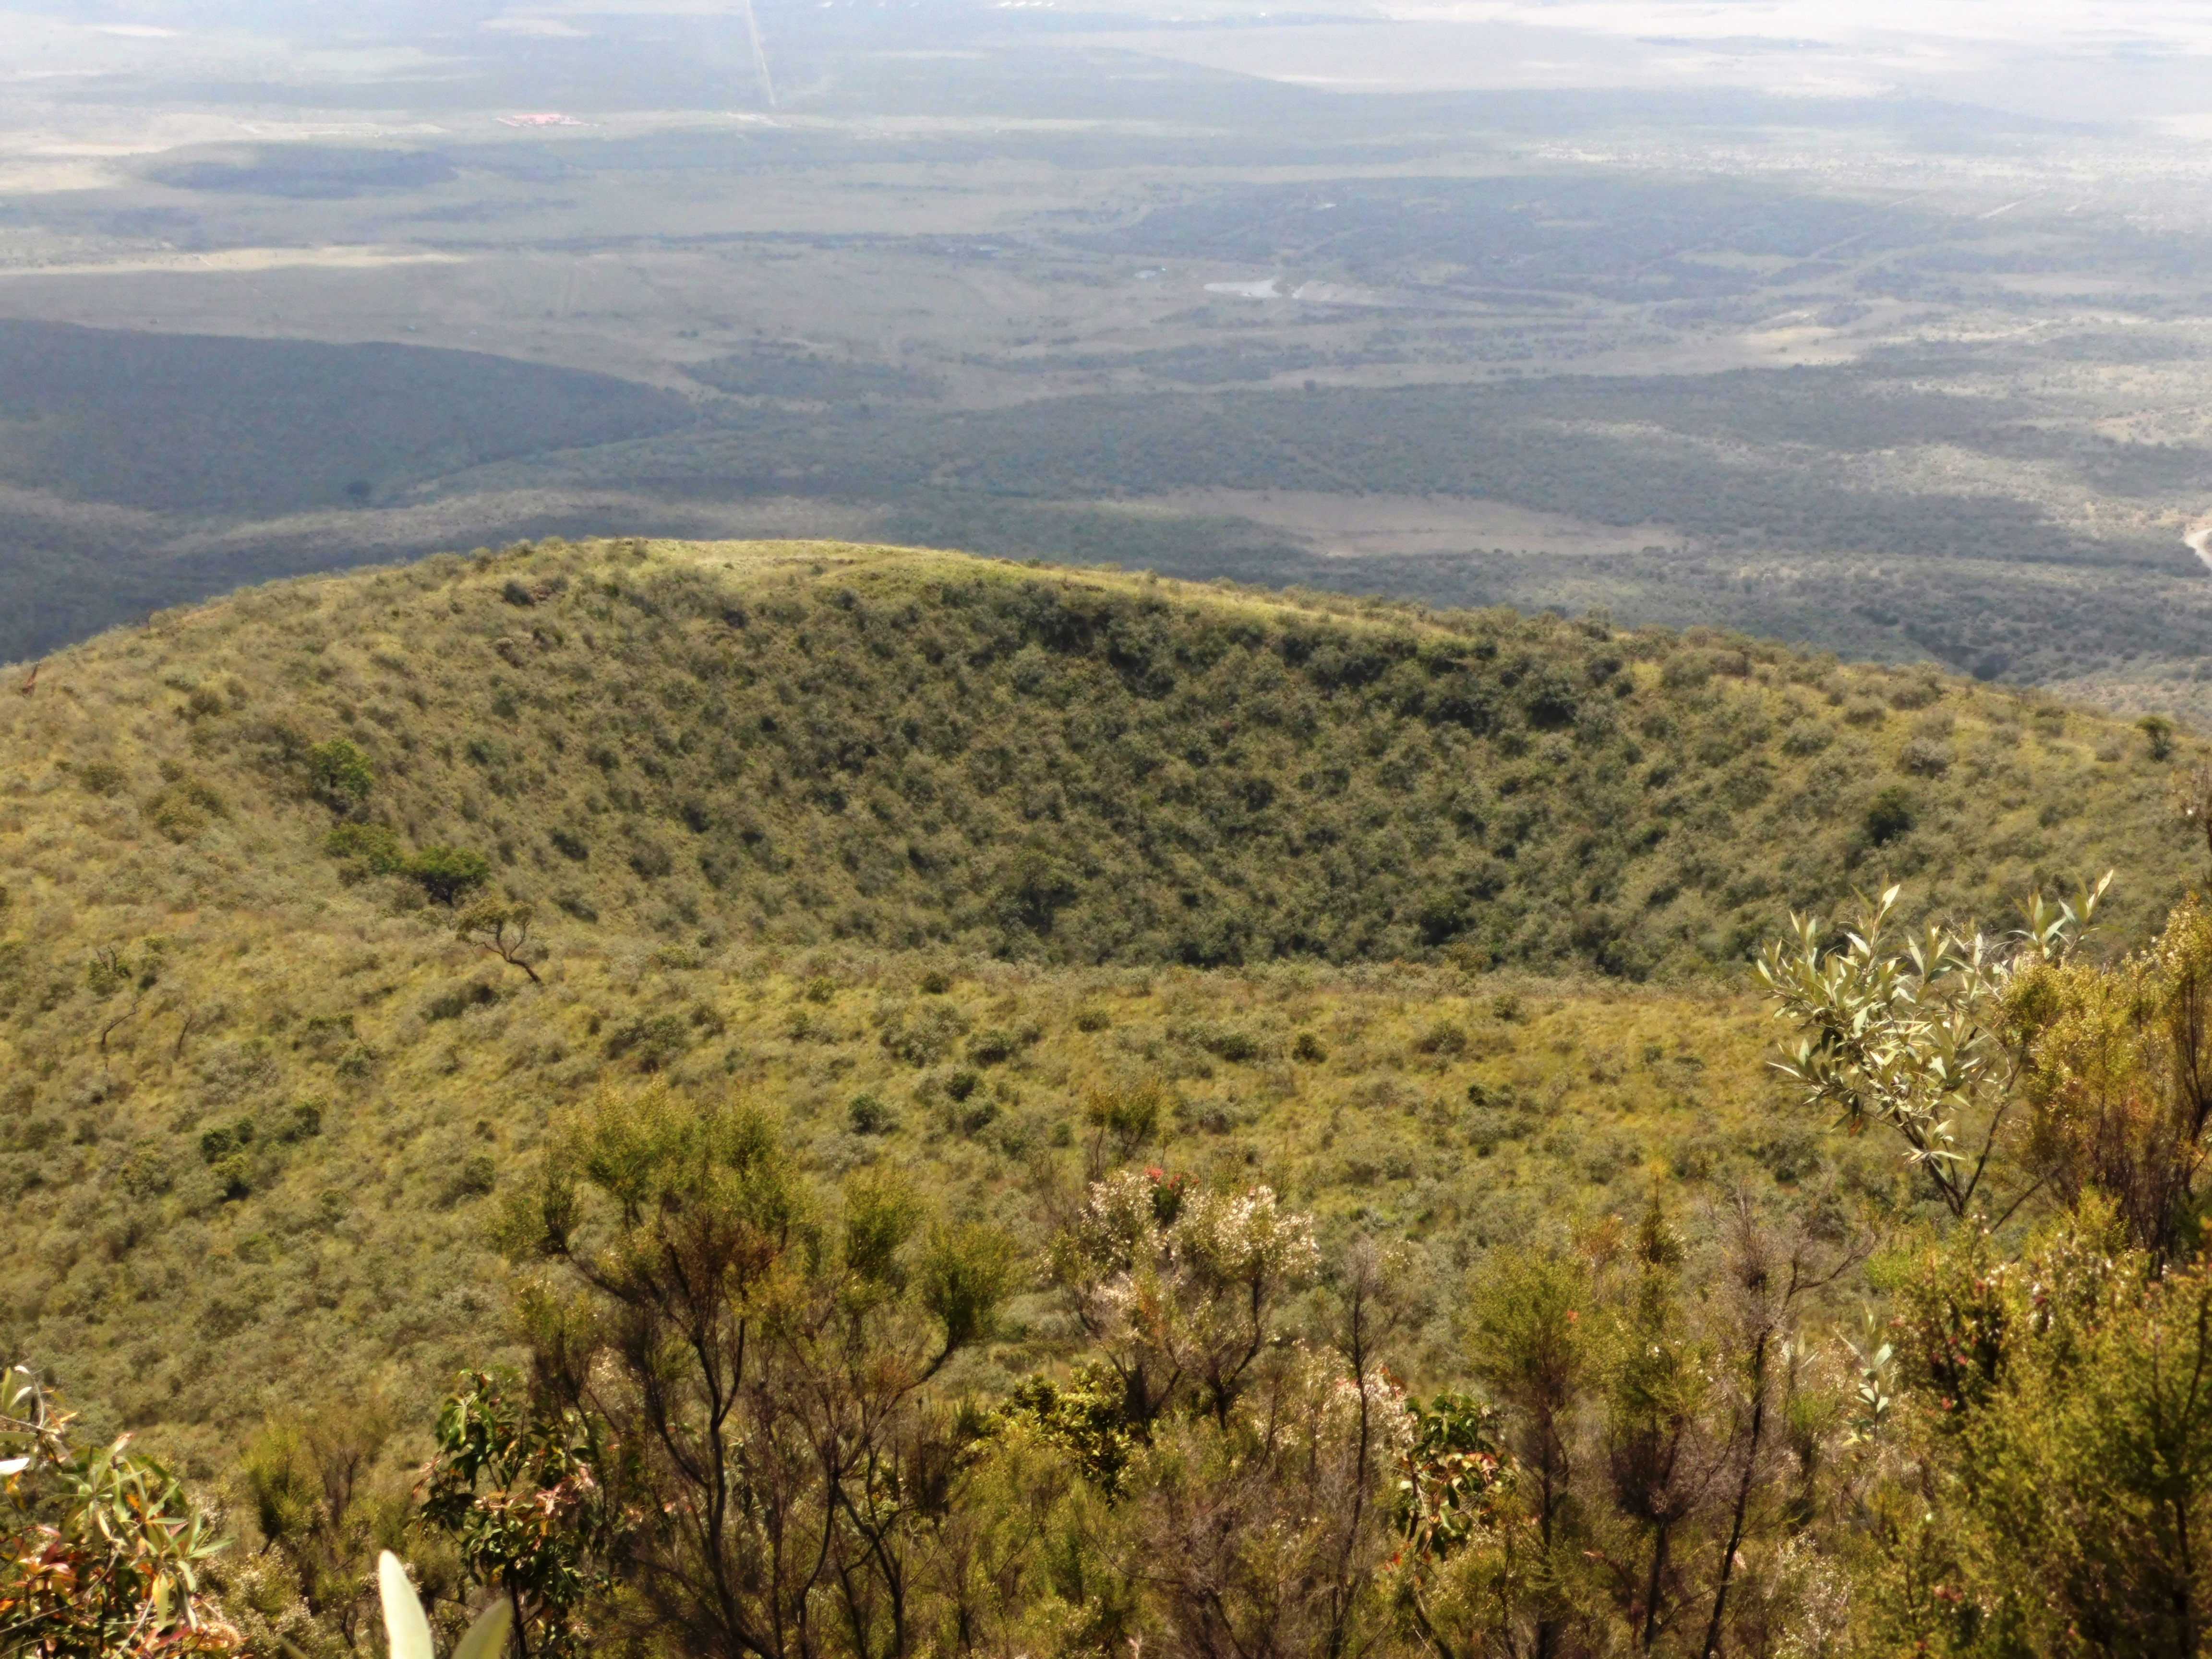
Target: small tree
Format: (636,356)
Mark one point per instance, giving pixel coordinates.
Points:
(2015,1057)
(517,1486)
(1242,1448)
(2116,1077)
(1121,1119)
(1662,1452)
(2056,1408)
(1658,1437)
(308,1479)
(765,1368)
(111,970)
(501,929)
(366,849)
(2192,793)
(1917,1038)
(1259,1536)
(340,775)
(1530,1348)
(449,874)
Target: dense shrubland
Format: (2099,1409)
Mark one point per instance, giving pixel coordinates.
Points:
(759,1413)
(322,901)
(871,1222)
(908,751)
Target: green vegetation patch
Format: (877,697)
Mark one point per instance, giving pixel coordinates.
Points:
(900,751)
(1002,873)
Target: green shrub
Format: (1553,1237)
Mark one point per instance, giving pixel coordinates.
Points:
(868,1115)
(652,1041)
(2057,1402)
(1788,1153)
(184,808)
(367,849)
(1123,1120)
(1925,757)
(1446,1038)
(974,1114)
(1916,693)
(491,1447)
(1889,815)
(1488,1128)
(109,972)
(145,1171)
(1231,1042)
(994,1046)
(449,874)
(101,778)
(324,1035)
(100,1552)
(453,1003)
(922,1036)
(219,1143)
(1696,1156)
(340,775)
(477,1175)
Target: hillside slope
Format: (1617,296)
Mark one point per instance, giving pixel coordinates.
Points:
(918,847)
(832,744)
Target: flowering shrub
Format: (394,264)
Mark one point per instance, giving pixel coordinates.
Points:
(100,1551)
(1452,1475)
(1182,1289)
(516,1488)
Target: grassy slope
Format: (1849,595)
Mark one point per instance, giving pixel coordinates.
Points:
(809,877)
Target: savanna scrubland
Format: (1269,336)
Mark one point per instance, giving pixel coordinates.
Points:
(909,1103)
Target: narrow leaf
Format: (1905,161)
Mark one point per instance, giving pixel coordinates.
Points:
(405,1627)
(488,1635)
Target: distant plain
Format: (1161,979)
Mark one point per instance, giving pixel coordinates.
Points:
(1899,369)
